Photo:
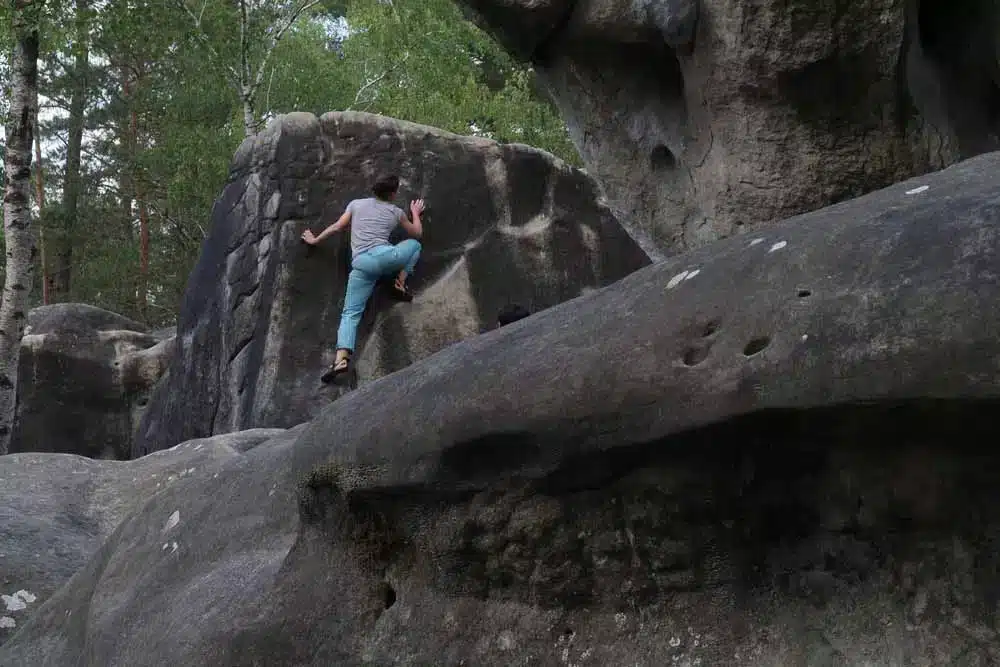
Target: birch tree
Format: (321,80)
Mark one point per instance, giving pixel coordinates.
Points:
(262,25)
(18,234)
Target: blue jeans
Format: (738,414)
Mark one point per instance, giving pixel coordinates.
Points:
(366,269)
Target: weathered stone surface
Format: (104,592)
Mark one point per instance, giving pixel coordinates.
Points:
(79,317)
(766,452)
(704,119)
(84,376)
(259,320)
(57,509)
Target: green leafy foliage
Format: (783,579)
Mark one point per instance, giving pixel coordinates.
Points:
(421,60)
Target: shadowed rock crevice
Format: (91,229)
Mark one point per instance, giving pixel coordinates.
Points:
(863,511)
(960,38)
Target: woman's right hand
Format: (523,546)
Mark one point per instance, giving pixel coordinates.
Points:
(417,207)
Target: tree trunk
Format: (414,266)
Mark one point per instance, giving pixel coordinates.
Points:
(40,201)
(249,116)
(139,195)
(20,242)
(72,185)
(143,251)
(126,186)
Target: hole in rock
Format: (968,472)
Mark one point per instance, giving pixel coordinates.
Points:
(711,328)
(388,596)
(804,293)
(695,356)
(142,402)
(662,158)
(756,345)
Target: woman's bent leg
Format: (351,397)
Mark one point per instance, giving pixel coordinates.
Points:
(359,288)
(408,254)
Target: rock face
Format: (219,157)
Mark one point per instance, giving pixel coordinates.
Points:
(703,118)
(57,509)
(85,375)
(773,451)
(259,319)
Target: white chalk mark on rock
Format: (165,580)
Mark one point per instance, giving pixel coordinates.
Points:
(778,246)
(692,274)
(506,640)
(917,191)
(756,242)
(18,600)
(805,337)
(676,280)
(172,522)
(7,622)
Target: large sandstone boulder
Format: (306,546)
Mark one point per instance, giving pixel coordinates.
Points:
(56,510)
(703,118)
(84,379)
(773,451)
(259,319)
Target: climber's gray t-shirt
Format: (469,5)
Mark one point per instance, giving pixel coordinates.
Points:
(372,221)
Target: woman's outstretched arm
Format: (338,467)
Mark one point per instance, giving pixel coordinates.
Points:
(343,223)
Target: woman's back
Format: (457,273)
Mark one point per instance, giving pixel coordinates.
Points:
(372,221)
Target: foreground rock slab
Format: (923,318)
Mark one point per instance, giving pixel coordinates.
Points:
(505,223)
(774,451)
(56,510)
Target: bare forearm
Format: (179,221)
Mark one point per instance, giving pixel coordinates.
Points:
(329,231)
(418,229)
(414,227)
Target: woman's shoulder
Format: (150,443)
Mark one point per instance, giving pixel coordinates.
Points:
(388,205)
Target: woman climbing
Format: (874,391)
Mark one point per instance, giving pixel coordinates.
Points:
(372,220)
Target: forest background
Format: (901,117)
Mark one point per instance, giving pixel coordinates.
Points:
(142,104)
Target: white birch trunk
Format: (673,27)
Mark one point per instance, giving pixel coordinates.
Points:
(249,117)
(18,234)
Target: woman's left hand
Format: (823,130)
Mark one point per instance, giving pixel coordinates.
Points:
(309,237)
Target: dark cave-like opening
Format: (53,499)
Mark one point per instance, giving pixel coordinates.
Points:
(960,38)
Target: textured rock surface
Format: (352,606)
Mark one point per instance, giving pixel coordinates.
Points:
(57,509)
(84,378)
(767,452)
(703,119)
(259,320)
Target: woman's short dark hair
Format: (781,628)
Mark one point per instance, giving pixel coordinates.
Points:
(386,186)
